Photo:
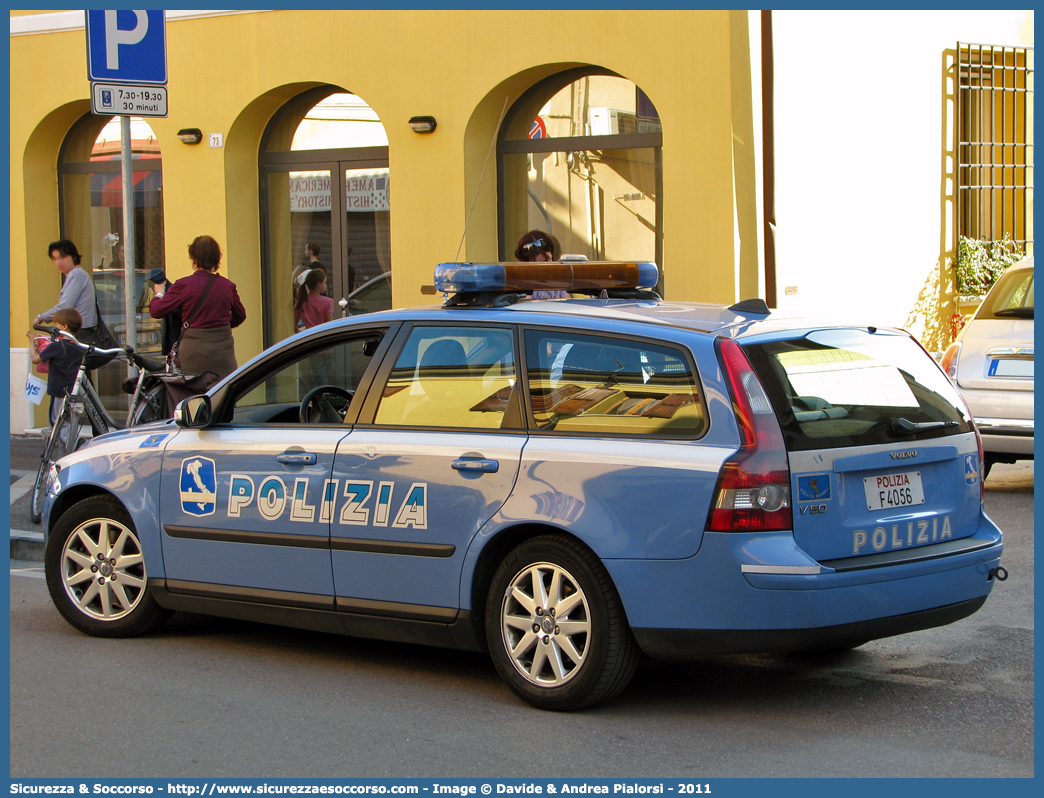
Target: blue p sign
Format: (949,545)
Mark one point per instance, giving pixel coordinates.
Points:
(127,46)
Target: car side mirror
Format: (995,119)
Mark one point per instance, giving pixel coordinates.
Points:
(194,412)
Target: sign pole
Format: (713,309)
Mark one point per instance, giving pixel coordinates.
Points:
(127,70)
(130,298)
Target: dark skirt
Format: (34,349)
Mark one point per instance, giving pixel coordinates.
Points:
(210,349)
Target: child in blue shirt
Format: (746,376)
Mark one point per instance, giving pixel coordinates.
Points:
(62,356)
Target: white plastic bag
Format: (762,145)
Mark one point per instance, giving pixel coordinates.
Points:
(35,388)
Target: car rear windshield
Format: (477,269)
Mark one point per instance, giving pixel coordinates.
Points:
(835,388)
(1010,298)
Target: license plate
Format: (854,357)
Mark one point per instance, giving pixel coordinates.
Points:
(887,491)
(1011,368)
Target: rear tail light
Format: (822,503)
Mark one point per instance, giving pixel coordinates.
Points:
(982,464)
(949,360)
(753,491)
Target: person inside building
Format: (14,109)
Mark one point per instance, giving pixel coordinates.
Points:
(117,261)
(211,308)
(77,289)
(536,246)
(62,357)
(351,269)
(312,250)
(313,306)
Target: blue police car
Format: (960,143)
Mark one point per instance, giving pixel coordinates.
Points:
(565,484)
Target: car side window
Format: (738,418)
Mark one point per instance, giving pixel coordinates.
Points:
(278,397)
(600,384)
(450,377)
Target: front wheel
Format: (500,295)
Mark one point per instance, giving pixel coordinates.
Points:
(556,627)
(95,570)
(64,438)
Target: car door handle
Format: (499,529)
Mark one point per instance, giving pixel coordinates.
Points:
(299,458)
(487,466)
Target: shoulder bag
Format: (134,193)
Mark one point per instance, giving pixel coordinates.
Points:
(103,339)
(173,362)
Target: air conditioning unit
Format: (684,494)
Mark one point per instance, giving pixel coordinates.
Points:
(612,121)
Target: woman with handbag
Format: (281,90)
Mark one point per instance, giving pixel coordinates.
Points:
(77,290)
(211,307)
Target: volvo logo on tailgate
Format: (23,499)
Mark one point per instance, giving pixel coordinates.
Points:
(904,455)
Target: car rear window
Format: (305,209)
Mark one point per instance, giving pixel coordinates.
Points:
(1010,298)
(835,388)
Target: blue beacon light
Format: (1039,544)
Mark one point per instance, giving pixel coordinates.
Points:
(463,278)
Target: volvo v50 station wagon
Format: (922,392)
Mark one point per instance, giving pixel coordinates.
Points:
(564,484)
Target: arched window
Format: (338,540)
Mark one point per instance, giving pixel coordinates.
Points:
(90,193)
(324,181)
(580,158)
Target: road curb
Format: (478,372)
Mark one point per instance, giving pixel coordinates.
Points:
(27,545)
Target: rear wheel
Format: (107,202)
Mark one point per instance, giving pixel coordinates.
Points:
(556,627)
(95,571)
(151,406)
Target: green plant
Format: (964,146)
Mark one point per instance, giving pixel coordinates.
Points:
(980,263)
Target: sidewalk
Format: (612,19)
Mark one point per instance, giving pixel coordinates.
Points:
(27,540)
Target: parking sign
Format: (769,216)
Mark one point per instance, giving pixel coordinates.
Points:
(126,46)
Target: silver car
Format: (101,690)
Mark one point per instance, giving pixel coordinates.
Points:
(991,362)
(371,296)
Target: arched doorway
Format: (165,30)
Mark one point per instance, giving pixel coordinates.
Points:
(579,156)
(324,181)
(90,198)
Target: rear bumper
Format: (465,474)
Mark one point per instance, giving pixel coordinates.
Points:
(1010,435)
(686,644)
(748,593)
(1004,418)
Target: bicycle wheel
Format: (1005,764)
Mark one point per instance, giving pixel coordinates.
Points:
(152,405)
(64,438)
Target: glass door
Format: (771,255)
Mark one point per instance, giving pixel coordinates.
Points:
(337,212)
(299,215)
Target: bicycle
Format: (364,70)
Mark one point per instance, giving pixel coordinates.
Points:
(82,404)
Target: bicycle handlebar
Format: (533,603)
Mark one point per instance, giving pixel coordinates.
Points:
(54,332)
(119,350)
(148,364)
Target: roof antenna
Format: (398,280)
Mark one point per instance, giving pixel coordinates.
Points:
(481,175)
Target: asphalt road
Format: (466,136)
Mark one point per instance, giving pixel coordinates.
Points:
(210,697)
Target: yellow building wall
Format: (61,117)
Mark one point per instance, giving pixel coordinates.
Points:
(230,73)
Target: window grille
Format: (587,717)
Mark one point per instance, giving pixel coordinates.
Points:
(995,143)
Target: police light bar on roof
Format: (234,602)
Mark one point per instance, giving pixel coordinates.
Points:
(463,278)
